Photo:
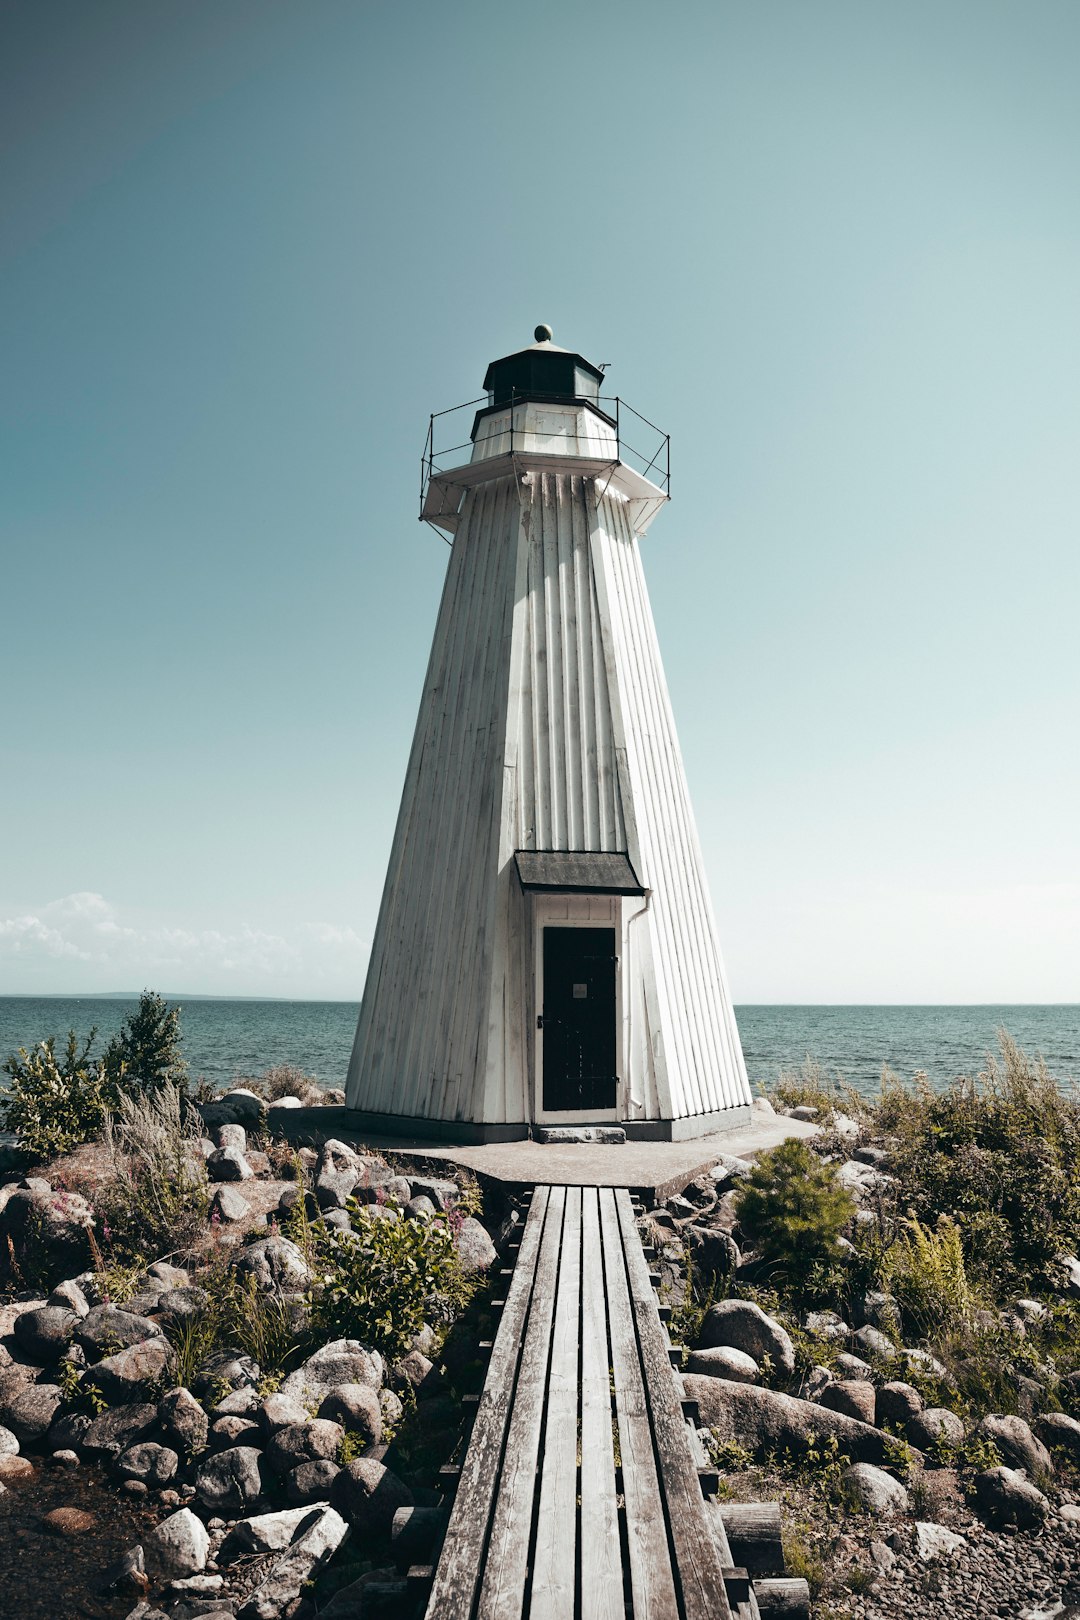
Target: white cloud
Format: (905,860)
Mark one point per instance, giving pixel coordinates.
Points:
(114,953)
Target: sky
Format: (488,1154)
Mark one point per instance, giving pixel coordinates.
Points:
(831,246)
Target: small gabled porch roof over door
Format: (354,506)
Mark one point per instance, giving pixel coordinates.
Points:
(584,871)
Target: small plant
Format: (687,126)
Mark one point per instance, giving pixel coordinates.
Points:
(794,1208)
(156,1197)
(925,1272)
(728,1456)
(803,1562)
(352,1445)
(899,1456)
(54,1104)
(147,1048)
(820,1464)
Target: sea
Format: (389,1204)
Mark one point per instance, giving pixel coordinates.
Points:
(227,1041)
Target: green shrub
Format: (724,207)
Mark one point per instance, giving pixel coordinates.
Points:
(55,1104)
(924,1270)
(147,1048)
(380,1282)
(794,1209)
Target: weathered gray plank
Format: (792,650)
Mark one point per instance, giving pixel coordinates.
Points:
(651,1580)
(695,1550)
(554,1571)
(502,1594)
(458,1574)
(601,1554)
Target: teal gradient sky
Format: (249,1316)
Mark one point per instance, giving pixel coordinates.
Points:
(834,248)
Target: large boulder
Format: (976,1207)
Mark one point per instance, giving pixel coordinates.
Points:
(1016,1443)
(853,1396)
(765,1420)
(263,1533)
(296,1567)
(239,1107)
(936,1429)
(873,1490)
(713,1252)
(276,1263)
(114,1431)
(475,1250)
(368,1495)
(43,1335)
(311,1481)
(724,1361)
(278,1411)
(231,1483)
(34,1213)
(107,1329)
(315,1441)
(131,1373)
(356,1408)
(744,1326)
(342,1361)
(154,1465)
(177,1547)
(897,1403)
(1060,1430)
(1006,1497)
(228,1367)
(183,1422)
(29,1411)
(228,1164)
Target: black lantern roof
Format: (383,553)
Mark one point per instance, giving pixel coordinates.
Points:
(542,371)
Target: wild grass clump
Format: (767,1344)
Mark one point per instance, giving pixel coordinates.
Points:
(999,1155)
(155,1197)
(812,1085)
(287,1080)
(925,1272)
(239,1317)
(794,1209)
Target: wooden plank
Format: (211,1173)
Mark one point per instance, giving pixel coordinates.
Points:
(695,1550)
(651,1580)
(554,1560)
(458,1574)
(601,1553)
(502,1595)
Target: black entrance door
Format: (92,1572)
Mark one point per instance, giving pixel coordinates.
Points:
(579,1019)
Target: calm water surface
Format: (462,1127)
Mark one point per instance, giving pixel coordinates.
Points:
(228,1040)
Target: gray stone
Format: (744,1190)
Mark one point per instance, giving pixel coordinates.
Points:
(184,1423)
(850,1366)
(284,1102)
(229,1204)
(1016,1443)
(311,1481)
(897,1403)
(226,1367)
(333,1188)
(231,1136)
(297,1566)
(176,1547)
(9,1445)
(242,1403)
(827,1325)
(278,1411)
(443,1194)
(235,1431)
(414,1371)
(343,1361)
(263,1533)
(69,1294)
(805,1111)
(713,1252)
(873,1489)
(1060,1430)
(275,1263)
(314,1441)
(43,1335)
(1070,1275)
(30,1411)
(475,1249)
(870,1341)
(930,1542)
(419,1209)
(114,1431)
(338,1219)
(876,1309)
(66,1431)
(724,1361)
(183,1304)
(1006,1497)
(744,1326)
(231,1483)
(228,1164)
(368,1495)
(853,1396)
(155,1465)
(130,1373)
(936,1429)
(167,1275)
(239,1107)
(107,1329)
(924,1361)
(764,1420)
(356,1408)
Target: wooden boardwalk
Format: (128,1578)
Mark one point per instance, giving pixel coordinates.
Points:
(579,1497)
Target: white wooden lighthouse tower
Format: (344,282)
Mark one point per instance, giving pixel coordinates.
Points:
(545,951)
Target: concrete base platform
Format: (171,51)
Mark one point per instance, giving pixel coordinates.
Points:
(655,1170)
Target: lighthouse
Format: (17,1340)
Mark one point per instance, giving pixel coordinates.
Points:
(546,952)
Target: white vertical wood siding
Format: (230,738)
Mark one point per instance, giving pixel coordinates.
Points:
(545,724)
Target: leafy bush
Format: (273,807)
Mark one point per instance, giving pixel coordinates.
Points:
(286,1080)
(380,1282)
(924,1270)
(998,1154)
(52,1104)
(794,1208)
(147,1048)
(155,1197)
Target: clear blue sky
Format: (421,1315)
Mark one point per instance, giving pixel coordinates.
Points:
(833,247)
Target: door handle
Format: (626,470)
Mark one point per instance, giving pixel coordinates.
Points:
(539,1020)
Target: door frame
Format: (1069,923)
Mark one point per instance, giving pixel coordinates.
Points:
(604,911)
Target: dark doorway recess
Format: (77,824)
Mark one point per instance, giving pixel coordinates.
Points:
(579,1020)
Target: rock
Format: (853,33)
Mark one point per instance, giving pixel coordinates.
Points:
(714,1253)
(67,1430)
(744,1326)
(414,1371)
(130,1373)
(12,1468)
(242,1403)
(311,1481)
(933,1541)
(870,1341)
(852,1396)
(765,1420)
(1060,1430)
(297,1566)
(71,1296)
(265,1533)
(390,1408)
(231,1136)
(184,1423)
(845,1127)
(114,1431)
(51,1217)
(169,1276)
(314,1441)
(229,1164)
(1016,1443)
(333,1188)
(1070,1513)
(43,1335)
(443,1194)
(873,1489)
(284,1102)
(936,1429)
(231,1483)
(275,1263)
(1070,1274)
(278,1411)
(183,1304)
(68,1521)
(419,1209)
(724,1361)
(805,1112)
(155,1465)
(239,1107)
(64,1459)
(897,1403)
(877,1309)
(9,1445)
(882,1557)
(343,1361)
(368,1495)
(226,1367)
(923,1361)
(29,1413)
(235,1431)
(474,1247)
(1006,1497)
(229,1204)
(356,1408)
(107,1329)
(827,1325)
(176,1547)
(853,1366)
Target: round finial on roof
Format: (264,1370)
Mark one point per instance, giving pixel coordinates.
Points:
(542,334)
